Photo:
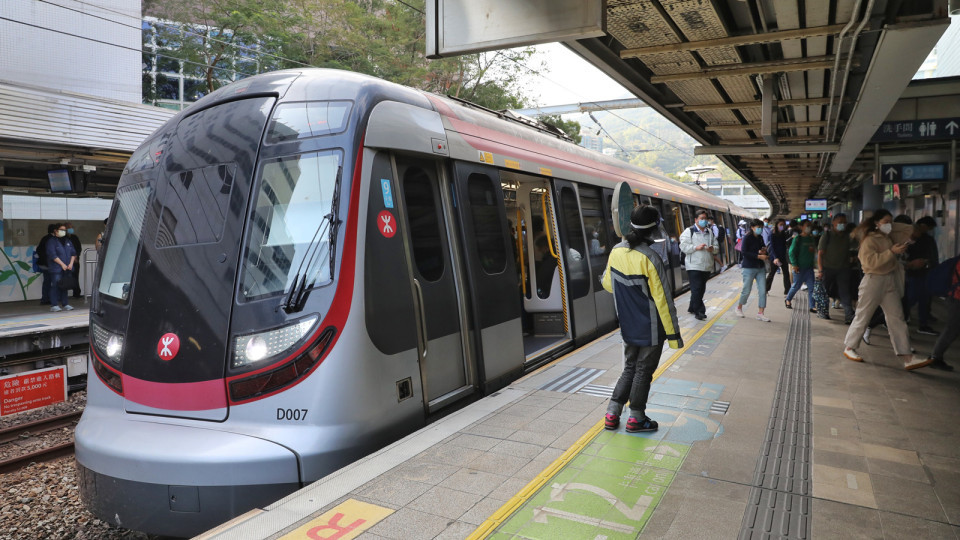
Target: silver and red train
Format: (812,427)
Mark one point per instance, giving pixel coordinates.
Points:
(307,265)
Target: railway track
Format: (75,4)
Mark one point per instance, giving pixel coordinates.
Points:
(18,432)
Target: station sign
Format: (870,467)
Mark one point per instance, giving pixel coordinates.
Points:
(918,130)
(906,173)
(815,204)
(33,389)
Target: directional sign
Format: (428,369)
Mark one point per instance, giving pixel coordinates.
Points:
(914,130)
(903,173)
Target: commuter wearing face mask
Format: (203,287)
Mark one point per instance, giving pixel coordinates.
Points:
(699,245)
(754,256)
(803,252)
(777,251)
(820,298)
(75,240)
(835,264)
(922,255)
(881,243)
(61,259)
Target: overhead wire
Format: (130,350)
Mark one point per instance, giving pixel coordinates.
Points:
(609,111)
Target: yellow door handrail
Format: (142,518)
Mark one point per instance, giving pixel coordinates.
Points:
(548,224)
(523,266)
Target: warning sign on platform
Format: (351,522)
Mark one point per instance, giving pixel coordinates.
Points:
(32,390)
(347,520)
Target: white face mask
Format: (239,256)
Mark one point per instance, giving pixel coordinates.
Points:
(886,228)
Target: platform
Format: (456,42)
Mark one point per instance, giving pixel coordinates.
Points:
(29,326)
(766,430)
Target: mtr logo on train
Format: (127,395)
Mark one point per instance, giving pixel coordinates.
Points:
(168,346)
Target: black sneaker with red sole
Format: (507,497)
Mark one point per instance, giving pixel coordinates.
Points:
(636,426)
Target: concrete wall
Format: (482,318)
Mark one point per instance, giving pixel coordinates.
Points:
(90,47)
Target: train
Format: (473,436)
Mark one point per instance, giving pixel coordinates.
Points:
(306,265)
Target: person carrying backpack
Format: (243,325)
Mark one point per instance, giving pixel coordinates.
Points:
(834,263)
(944,280)
(636,276)
(700,247)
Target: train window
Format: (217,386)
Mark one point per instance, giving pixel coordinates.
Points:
(597,236)
(423,214)
(487,226)
(130,208)
(290,229)
(292,121)
(195,205)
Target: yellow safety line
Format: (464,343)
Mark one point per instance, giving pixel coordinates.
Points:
(522,496)
(676,356)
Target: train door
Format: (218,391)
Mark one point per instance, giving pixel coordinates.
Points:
(542,287)
(574,254)
(674,226)
(444,371)
(597,215)
(491,272)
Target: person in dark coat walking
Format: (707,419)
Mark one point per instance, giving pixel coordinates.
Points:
(777,251)
(75,240)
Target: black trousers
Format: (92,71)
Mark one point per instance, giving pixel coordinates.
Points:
(841,277)
(698,286)
(772,273)
(639,363)
(76,274)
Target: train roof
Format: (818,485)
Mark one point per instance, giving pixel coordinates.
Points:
(644,181)
(322,83)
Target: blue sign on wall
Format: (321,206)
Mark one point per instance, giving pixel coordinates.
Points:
(913,172)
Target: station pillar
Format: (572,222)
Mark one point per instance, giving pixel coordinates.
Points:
(872,196)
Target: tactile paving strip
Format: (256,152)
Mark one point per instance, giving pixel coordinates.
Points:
(779,505)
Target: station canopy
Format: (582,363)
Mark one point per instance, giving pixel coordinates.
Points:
(786,92)
(44,130)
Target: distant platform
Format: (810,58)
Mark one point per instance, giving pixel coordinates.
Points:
(29,326)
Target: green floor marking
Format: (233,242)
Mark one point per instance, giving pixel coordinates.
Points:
(611,488)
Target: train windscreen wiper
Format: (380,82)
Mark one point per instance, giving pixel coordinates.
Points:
(301,286)
(297,297)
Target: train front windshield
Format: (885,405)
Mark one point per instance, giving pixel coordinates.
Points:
(292,224)
(118,264)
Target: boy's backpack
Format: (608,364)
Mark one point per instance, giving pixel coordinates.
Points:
(940,278)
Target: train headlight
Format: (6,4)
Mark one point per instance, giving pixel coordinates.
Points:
(256,349)
(252,348)
(114,346)
(109,344)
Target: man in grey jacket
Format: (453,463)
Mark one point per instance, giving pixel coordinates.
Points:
(700,245)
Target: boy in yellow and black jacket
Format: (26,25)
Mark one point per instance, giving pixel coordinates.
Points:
(636,276)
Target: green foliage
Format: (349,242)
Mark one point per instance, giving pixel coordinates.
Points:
(570,127)
(382,38)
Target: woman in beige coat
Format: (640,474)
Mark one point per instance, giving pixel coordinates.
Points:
(882,285)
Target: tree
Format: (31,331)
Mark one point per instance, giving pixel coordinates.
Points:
(220,40)
(570,127)
(383,38)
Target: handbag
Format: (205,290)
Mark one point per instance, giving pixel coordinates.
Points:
(68,281)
